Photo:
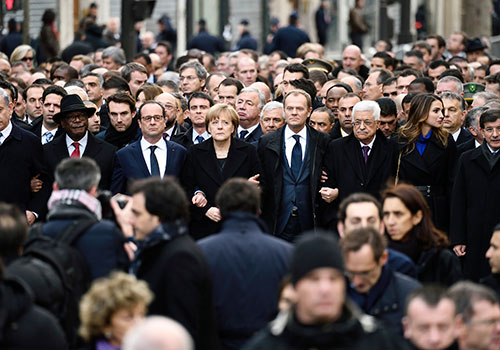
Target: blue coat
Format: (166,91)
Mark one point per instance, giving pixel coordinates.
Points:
(247,267)
(247,41)
(386,300)
(206,42)
(288,40)
(130,165)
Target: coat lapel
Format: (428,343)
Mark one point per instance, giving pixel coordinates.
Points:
(93,146)
(378,156)
(235,158)
(138,158)
(353,154)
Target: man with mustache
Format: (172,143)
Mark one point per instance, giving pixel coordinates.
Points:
(475,194)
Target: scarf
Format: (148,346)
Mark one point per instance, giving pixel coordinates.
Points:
(72,197)
(422,141)
(410,247)
(492,158)
(121,139)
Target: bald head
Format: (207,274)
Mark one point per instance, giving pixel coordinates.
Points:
(266,91)
(159,333)
(351,57)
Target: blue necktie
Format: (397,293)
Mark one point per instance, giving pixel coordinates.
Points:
(155,168)
(200,139)
(243,134)
(296,157)
(48,136)
(1,138)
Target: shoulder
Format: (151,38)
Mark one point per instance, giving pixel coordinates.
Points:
(175,146)
(405,283)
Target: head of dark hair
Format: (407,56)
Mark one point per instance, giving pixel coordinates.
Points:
(387,106)
(202,95)
(318,76)
(232,82)
(439,63)
(489,116)
(48,16)
(237,194)
(440,40)
(466,294)
(388,60)
(122,97)
(9,86)
(428,84)
(305,84)
(54,89)
(164,198)
(414,53)
(32,86)
(282,54)
(452,73)
(13,232)
(117,83)
(430,294)
(145,56)
(297,68)
(359,197)
(390,81)
(354,240)
(409,72)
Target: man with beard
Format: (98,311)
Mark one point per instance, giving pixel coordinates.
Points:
(151,155)
(123,127)
(172,127)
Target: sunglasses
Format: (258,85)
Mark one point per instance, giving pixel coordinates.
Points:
(24,59)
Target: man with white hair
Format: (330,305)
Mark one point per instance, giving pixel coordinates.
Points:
(248,106)
(449,83)
(272,117)
(360,162)
(158,333)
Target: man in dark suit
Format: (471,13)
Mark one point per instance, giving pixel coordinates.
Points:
(454,117)
(343,127)
(248,106)
(152,155)
(20,161)
(172,108)
(291,159)
(45,128)
(169,260)
(476,189)
(204,41)
(360,162)
(472,124)
(77,141)
(198,106)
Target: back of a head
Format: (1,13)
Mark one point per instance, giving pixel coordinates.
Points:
(13,232)
(238,195)
(164,198)
(77,174)
(158,333)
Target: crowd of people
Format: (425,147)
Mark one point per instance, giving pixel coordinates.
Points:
(239,200)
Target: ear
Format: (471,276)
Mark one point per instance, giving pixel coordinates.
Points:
(93,191)
(406,329)
(384,258)
(55,187)
(382,227)
(340,229)
(417,217)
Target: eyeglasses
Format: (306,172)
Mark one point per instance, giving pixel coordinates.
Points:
(367,123)
(189,78)
(389,94)
(24,59)
(73,117)
(148,118)
(361,274)
(490,322)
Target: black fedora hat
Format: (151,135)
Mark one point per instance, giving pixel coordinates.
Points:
(72,103)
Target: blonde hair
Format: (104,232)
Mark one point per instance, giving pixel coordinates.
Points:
(21,51)
(216,110)
(105,297)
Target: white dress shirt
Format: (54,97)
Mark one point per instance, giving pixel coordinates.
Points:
(160,153)
(369,145)
(83,144)
(205,135)
(44,130)
(6,132)
(290,143)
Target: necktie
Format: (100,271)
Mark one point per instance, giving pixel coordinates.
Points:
(296,157)
(365,153)
(200,139)
(76,151)
(155,168)
(243,134)
(48,136)
(1,138)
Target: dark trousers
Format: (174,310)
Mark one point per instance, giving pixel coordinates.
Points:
(292,229)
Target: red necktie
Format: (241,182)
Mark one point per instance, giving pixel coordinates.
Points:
(76,152)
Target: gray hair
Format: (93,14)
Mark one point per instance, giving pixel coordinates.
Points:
(449,78)
(99,77)
(371,106)
(486,95)
(201,72)
(465,294)
(357,82)
(5,96)
(154,332)
(331,116)
(271,106)
(170,76)
(77,173)
(453,96)
(116,54)
(262,99)
(471,119)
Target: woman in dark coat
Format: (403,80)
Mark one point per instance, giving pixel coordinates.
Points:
(410,230)
(49,36)
(427,156)
(209,164)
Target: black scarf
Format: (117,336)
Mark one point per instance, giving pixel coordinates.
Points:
(410,247)
(492,158)
(121,139)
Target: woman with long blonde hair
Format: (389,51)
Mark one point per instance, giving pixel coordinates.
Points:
(427,155)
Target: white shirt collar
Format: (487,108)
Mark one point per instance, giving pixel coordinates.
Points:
(83,141)
(6,132)
(161,144)
(250,129)
(370,144)
(456,134)
(289,133)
